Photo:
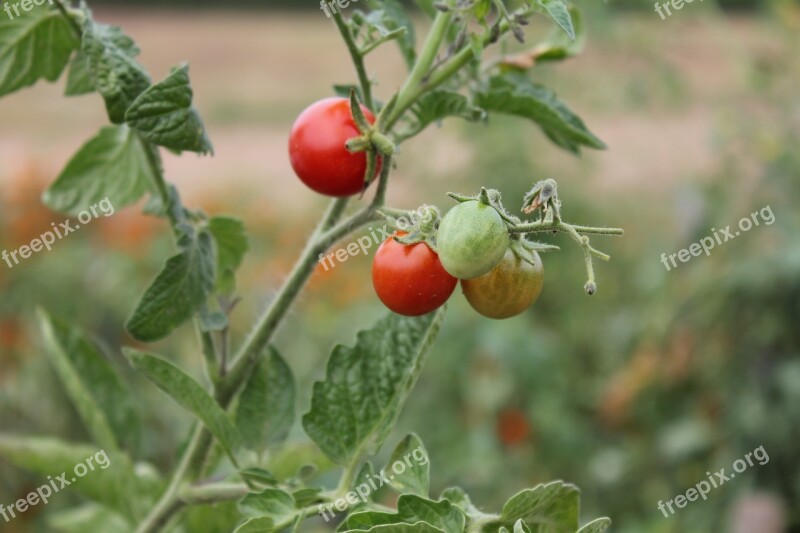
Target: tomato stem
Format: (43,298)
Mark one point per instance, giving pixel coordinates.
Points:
(358,59)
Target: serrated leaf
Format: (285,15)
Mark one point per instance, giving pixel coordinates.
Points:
(557,10)
(232,245)
(113,70)
(36,45)
(273,503)
(189,394)
(112,165)
(366,386)
(515,94)
(596,526)
(163,114)
(101,399)
(178,292)
(438,105)
(411,510)
(415,477)
(556,504)
(79,79)
(48,456)
(266,408)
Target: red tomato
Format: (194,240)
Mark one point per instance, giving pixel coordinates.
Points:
(513,427)
(317,148)
(409,279)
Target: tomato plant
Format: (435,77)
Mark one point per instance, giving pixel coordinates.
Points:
(317,148)
(409,278)
(508,289)
(236,453)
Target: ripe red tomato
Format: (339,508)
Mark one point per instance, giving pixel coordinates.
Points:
(409,279)
(317,148)
(513,427)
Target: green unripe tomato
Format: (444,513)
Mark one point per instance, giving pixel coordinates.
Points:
(471,240)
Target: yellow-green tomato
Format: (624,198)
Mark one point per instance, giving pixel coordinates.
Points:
(471,240)
(508,289)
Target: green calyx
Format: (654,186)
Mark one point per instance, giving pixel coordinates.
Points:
(420,225)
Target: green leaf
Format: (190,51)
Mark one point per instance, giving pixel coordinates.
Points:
(262,524)
(366,386)
(411,510)
(178,292)
(515,94)
(415,477)
(274,503)
(112,165)
(396,16)
(557,10)
(417,527)
(101,399)
(89,517)
(556,504)
(438,105)
(113,69)
(47,456)
(266,408)
(79,79)
(557,46)
(427,7)
(307,496)
(232,245)
(521,527)
(596,526)
(259,476)
(35,45)
(189,394)
(164,115)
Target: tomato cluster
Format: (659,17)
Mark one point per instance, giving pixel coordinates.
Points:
(473,246)
(413,279)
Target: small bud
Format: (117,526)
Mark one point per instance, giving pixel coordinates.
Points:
(590,287)
(519,35)
(495,34)
(441,6)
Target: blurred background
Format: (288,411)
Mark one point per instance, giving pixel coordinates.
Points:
(632,394)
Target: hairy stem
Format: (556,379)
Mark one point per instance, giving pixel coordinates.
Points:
(213,493)
(357,57)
